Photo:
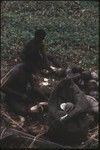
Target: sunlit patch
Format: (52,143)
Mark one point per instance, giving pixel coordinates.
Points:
(54,68)
(44,83)
(22,118)
(45,79)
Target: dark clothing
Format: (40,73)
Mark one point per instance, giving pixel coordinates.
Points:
(74,132)
(34,54)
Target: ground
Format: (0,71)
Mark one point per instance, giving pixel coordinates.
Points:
(71,26)
(72,35)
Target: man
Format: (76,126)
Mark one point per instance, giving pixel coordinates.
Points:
(34,53)
(20,91)
(68,113)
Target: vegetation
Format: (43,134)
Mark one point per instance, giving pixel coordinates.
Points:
(71,26)
(72,35)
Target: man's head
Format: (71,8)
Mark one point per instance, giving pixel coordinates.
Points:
(40,34)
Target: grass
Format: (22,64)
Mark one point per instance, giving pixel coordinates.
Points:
(72,30)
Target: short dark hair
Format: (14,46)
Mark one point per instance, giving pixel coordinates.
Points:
(40,32)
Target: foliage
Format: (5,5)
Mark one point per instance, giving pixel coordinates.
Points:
(71,26)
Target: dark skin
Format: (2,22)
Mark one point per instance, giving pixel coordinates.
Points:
(19,96)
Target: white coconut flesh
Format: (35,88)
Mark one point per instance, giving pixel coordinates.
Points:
(66,106)
(54,68)
(44,83)
(63,106)
(45,79)
(43,103)
(34,108)
(63,117)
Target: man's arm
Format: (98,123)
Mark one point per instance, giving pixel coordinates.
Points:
(36,89)
(11,91)
(45,59)
(26,54)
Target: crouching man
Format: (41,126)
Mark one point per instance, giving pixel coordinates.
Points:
(20,91)
(68,113)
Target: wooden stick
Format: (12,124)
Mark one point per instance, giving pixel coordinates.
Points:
(5,78)
(40,141)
